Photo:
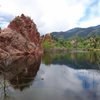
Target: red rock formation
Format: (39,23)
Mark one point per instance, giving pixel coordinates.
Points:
(25,26)
(11,39)
(21,37)
(3,54)
(47,37)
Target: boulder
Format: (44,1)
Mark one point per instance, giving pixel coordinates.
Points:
(20,37)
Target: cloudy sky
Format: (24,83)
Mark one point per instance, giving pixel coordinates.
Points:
(52,15)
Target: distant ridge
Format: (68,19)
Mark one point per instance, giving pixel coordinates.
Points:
(78,32)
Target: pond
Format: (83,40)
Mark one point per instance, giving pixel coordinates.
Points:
(52,76)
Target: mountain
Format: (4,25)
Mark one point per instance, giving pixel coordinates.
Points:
(78,32)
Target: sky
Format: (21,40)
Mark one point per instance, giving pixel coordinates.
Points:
(52,15)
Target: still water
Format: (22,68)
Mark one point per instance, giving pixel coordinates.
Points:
(52,76)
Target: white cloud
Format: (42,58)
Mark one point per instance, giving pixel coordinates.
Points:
(49,15)
(60,15)
(93,22)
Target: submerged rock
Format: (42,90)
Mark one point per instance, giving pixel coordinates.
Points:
(20,37)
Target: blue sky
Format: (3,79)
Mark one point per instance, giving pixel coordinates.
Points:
(52,15)
(91,10)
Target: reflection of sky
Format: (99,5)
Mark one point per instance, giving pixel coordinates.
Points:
(60,82)
(88,80)
(83,84)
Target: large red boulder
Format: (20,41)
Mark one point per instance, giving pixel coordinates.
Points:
(25,26)
(20,37)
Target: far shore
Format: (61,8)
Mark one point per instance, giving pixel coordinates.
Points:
(69,50)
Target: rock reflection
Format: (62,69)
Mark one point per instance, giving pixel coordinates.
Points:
(27,73)
(18,73)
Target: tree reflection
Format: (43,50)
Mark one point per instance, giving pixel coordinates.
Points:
(77,60)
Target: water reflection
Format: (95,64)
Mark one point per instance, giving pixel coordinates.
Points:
(76,60)
(60,76)
(70,84)
(18,73)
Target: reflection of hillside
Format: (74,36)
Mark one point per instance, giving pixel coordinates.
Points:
(21,72)
(86,60)
(47,59)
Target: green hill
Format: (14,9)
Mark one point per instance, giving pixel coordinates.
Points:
(78,32)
